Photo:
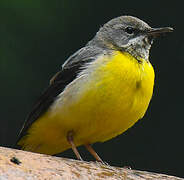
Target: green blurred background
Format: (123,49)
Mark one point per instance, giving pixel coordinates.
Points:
(37,36)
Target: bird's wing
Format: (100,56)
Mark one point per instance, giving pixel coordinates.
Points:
(70,69)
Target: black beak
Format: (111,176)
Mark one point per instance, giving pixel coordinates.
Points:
(154,32)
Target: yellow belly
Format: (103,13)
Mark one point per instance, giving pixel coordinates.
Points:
(111,99)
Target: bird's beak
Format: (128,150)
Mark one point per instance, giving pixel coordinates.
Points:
(154,32)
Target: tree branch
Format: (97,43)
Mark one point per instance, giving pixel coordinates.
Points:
(22,165)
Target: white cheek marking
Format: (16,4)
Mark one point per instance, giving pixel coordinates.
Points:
(138,47)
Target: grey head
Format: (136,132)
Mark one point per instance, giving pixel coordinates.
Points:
(128,34)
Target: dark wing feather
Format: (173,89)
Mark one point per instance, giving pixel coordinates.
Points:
(69,71)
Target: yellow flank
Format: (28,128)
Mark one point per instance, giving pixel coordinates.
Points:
(110,98)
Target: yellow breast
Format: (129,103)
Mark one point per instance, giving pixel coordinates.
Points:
(117,95)
(113,95)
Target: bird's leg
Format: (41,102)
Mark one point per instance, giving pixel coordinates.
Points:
(70,140)
(93,153)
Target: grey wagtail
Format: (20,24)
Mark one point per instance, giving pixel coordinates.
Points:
(100,92)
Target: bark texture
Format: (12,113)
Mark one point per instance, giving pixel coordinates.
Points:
(22,165)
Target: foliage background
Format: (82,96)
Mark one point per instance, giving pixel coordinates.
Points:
(37,36)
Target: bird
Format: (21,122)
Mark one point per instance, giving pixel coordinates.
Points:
(101,91)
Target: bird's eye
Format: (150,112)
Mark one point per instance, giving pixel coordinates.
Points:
(129,30)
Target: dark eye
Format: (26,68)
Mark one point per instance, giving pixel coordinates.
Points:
(129,30)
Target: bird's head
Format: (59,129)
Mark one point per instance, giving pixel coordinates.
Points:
(129,34)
